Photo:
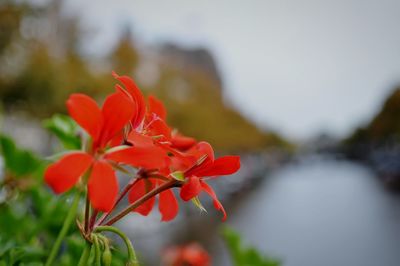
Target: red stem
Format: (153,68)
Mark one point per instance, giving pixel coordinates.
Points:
(87,210)
(93,219)
(120,197)
(152,193)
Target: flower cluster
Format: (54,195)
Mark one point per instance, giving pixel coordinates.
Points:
(127,131)
(190,254)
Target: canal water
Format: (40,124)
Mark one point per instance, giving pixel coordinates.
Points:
(317,211)
(321,212)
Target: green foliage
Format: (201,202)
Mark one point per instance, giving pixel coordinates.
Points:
(29,224)
(65,129)
(384,127)
(385,123)
(124,57)
(30,215)
(17,161)
(10,19)
(21,255)
(245,256)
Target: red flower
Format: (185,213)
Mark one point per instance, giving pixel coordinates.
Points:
(167,204)
(157,114)
(133,92)
(181,142)
(209,167)
(156,134)
(192,254)
(203,165)
(154,147)
(183,155)
(103,125)
(154,120)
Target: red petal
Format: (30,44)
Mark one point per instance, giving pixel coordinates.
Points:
(135,107)
(117,111)
(64,174)
(217,203)
(85,112)
(203,148)
(140,140)
(157,107)
(102,186)
(180,161)
(138,190)
(181,142)
(158,127)
(148,157)
(119,88)
(117,140)
(168,205)
(200,150)
(191,189)
(193,254)
(137,97)
(225,165)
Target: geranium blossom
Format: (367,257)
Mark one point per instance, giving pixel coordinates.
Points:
(103,125)
(209,167)
(185,155)
(127,131)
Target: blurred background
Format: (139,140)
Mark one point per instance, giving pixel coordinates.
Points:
(305,91)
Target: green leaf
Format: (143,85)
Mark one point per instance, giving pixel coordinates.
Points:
(17,161)
(32,264)
(26,254)
(245,256)
(65,129)
(178,175)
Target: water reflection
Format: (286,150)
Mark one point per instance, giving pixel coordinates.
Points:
(322,212)
(317,211)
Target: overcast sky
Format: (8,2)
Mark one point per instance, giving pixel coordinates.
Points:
(299,66)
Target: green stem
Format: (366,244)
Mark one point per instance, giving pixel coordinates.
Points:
(85,255)
(64,230)
(131,252)
(97,251)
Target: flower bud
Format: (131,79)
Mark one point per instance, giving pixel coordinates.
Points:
(107,257)
(132,263)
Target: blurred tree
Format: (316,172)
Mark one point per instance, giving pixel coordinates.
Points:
(124,57)
(10,19)
(192,95)
(50,66)
(384,126)
(32,89)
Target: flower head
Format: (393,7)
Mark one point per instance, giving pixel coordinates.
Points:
(207,167)
(102,125)
(127,131)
